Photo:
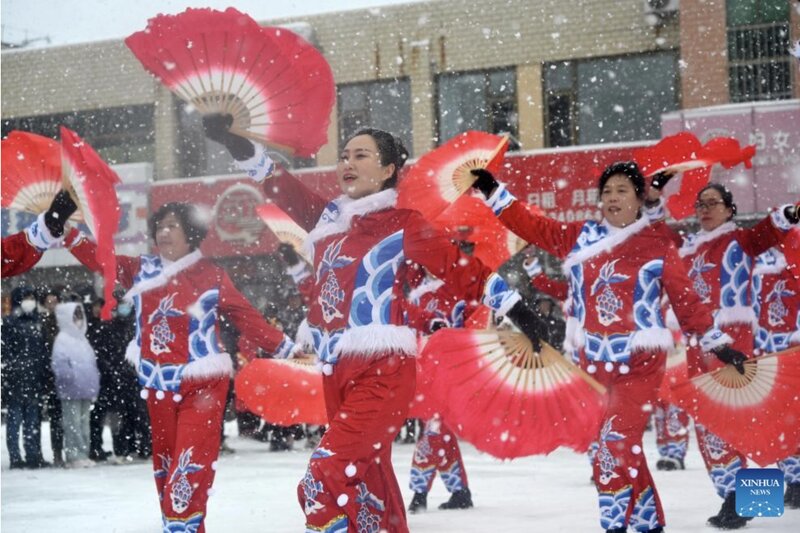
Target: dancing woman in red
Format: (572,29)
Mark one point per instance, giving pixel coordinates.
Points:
(179,296)
(363,249)
(617,270)
(719,259)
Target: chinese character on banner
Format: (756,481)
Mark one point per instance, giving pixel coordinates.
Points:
(548,200)
(578,198)
(533,198)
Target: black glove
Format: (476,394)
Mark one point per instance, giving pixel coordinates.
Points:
(485,182)
(728,355)
(217,128)
(661,179)
(529,322)
(288,254)
(792,213)
(61,208)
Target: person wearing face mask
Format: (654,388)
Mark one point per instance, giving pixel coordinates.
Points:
(362,248)
(179,297)
(719,259)
(25,361)
(617,270)
(77,382)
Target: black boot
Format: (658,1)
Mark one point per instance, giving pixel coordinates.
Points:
(617,530)
(668,464)
(460,499)
(792,497)
(727,517)
(419,503)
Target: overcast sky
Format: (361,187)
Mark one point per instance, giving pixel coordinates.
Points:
(77,21)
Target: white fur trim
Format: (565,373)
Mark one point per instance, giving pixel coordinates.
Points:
(652,338)
(616,236)
(671,320)
(298,272)
(429,284)
(167,272)
(691,245)
(714,338)
(210,366)
(777,267)
(39,236)
(575,335)
(377,339)
(349,208)
(736,315)
(657,212)
(507,303)
(304,337)
(133,354)
(779,219)
(260,166)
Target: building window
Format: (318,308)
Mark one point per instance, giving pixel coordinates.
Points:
(759,64)
(384,105)
(118,134)
(613,99)
(481,100)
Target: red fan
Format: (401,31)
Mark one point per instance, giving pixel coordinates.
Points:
(509,401)
(91,182)
(278,87)
(31,172)
(422,405)
(758,412)
(284,392)
(284,228)
(439,177)
(677,153)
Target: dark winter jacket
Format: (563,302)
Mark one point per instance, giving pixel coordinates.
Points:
(25,359)
(109,340)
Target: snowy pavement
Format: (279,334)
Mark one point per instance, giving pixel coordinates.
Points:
(255,491)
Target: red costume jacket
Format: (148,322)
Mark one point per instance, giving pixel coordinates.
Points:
(178,305)
(776,303)
(23,250)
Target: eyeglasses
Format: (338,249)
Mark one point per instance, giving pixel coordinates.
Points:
(708,204)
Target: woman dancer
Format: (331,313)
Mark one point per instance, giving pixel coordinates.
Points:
(179,296)
(363,248)
(617,270)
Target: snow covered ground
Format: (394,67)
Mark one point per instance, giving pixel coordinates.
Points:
(255,492)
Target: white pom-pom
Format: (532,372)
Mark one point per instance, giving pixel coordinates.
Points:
(177,398)
(160,395)
(624,369)
(327,369)
(591,369)
(636,449)
(144,393)
(633,472)
(342,500)
(350,470)
(609,366)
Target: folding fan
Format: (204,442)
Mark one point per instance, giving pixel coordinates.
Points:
(758,412)
(91,182)
(284,392)
(31,172)
(278,87)
(284,228)
(443,174)
(509,401)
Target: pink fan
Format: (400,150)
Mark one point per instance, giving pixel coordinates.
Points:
(508,400)
(278,87)
(284,228)
(439,177)
(31,172)
(91,183)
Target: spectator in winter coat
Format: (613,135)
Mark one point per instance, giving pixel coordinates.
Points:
(77,381)
(50,399)
(24,368)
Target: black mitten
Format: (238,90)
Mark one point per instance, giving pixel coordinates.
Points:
(529,322)
(288,254)
(792,213)
(217,128)
(661,179)
(485,182)
(728,355)
(61,208)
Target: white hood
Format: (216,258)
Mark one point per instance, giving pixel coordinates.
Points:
(65,314)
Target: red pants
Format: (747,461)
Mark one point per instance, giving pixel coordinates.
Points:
(672,430)
(186,436)
(437,449)
(627,494)
(350,482)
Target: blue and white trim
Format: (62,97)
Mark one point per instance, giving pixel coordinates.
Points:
(714,338)
(39,236)
(779,219)
(498,296)
(260,166)
(500,199)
